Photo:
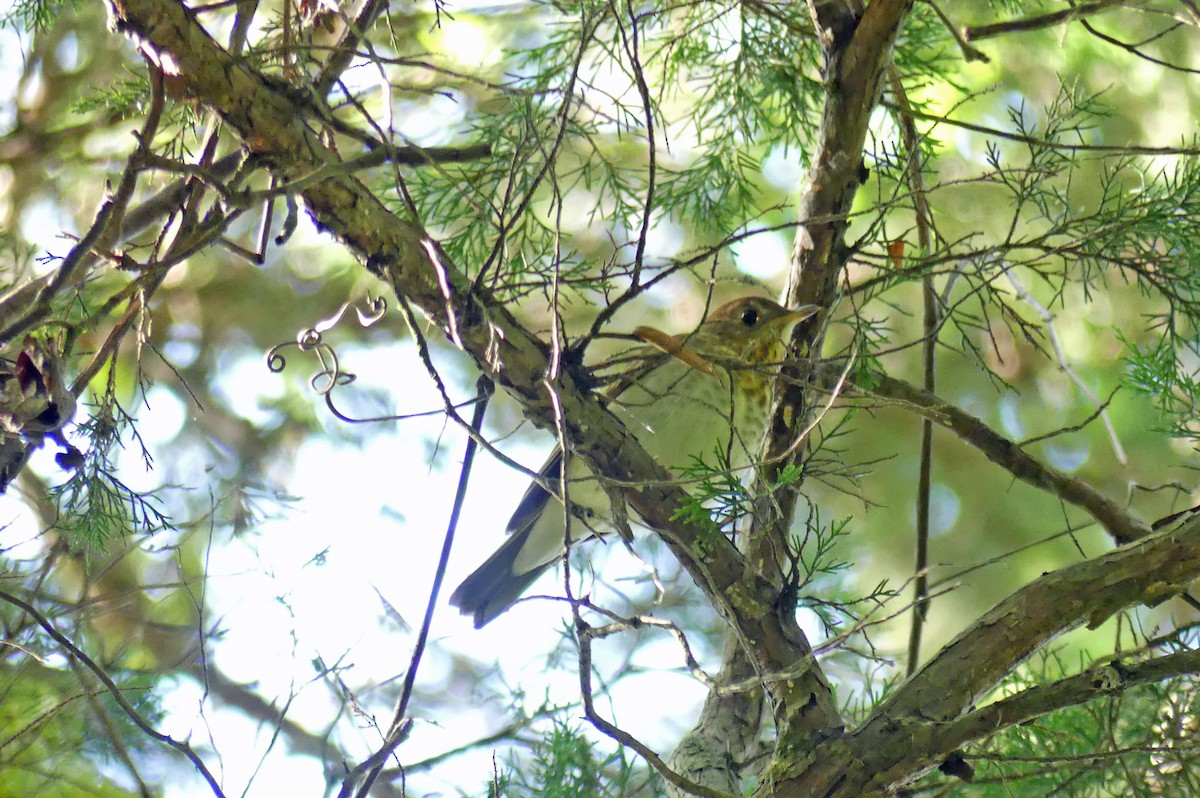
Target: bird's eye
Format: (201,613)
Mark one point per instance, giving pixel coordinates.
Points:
(749,317)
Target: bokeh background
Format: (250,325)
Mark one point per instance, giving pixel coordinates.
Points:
(296,551)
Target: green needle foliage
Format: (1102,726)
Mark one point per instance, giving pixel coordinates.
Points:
(97,507)
(566,764)
(1002,227)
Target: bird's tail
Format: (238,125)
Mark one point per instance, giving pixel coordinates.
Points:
(493,587)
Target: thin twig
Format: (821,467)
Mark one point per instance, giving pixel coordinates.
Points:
(1059,146)
(1135,50)
(930,325)
(969,53)
(1064,365)
(631,41)
(105,227)
(370,768)
(1123,527)
(620,735)
(590,26)
(115,691)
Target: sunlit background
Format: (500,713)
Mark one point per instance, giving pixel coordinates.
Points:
(312,544)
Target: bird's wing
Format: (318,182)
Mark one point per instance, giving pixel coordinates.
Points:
(675,346)
(635,364)
(536,496)
(496,584)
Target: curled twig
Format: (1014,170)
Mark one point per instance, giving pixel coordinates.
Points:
(310,340)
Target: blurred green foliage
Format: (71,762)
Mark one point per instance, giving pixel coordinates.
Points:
(1062,179)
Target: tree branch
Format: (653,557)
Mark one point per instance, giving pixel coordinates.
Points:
(857,52)
(974,33)
(1042,699)
(1123,527)
(130,712)
(713,751)
(929,714)
(273,123)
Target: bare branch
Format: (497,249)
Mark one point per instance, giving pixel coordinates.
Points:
(1123,527)
(974,33)
(1111,678)
(115,691)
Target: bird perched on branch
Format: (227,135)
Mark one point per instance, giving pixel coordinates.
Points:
(686,397)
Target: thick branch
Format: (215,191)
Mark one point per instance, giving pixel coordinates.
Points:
(857,52)
(1148,571)
(928,715)
(270,119)
(712,753)
(852,84)
(1042,699)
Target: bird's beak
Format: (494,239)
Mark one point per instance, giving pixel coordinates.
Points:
(789,320)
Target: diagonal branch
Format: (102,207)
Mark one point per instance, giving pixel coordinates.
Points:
(345,49)
(1042,699)
(1088,592)
(932,714)
(1123,527)
(974,33)
(272,121)
(130,711)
